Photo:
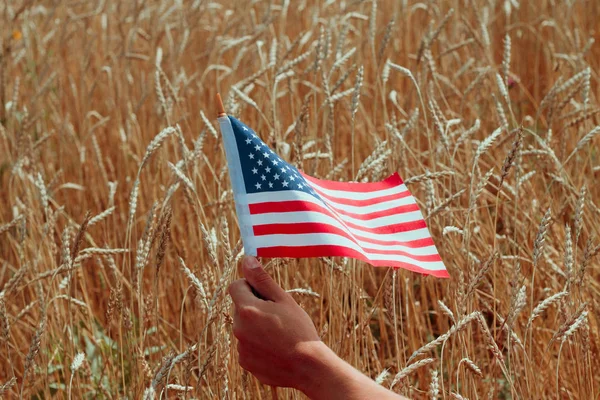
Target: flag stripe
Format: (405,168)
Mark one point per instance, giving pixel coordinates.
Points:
(380,218)
(341,208)
(336,240)
(356,187)
(426,241)
(363,202)
(414,247)
(309,217)
(402,231)
(342,194)
(342,251)
(319,228)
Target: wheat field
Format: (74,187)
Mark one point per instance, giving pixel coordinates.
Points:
(118,234)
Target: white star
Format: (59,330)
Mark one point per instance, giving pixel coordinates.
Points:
(285,183)
(270,184)
(259,162)
(258,185)
(275,162)
(254,171)
(300,186)
(264,178)
(268,169)
(282,170)
(276,176)
(257,147)
(292,178)
(244,128)
(251,156)
(265,154)
(248,140)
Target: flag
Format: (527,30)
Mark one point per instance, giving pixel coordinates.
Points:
(282,212)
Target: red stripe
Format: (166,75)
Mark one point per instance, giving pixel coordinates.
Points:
(300,205)
(391,181)
(319,227)
(313,227)
(385,229)
(394,228)
(413,244)
(362,202)
(340,251)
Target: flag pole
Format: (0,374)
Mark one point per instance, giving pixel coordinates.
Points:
(222,113)
(220,107)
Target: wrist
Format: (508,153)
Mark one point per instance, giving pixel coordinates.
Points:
(322,375)
(317,366)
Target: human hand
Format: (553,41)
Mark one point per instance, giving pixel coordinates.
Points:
(279,345)
(275,335)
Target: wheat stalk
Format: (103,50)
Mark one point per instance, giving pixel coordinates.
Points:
(7,385)
(406,371)
(103,215)
(471,366)
(406,72)
(506,60)
(209,125)
(579,213)
(583,142)
(569,261)
(459,326)
(486,144)
(434,385)
(428,176)
(543,306)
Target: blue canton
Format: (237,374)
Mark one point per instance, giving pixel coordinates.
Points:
(263,170)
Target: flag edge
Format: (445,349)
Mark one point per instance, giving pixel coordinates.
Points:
(237,185)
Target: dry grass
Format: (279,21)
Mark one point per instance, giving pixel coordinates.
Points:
(117,226)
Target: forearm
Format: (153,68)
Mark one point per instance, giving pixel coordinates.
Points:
(329,377)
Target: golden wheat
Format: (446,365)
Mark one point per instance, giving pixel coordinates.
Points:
(117,226)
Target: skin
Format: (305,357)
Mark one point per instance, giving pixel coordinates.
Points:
(279,345)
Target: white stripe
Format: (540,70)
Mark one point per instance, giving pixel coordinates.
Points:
(344,194)
(384,221)
(336,240)
(371,223)
(418,251)
(313,216)
(287,195)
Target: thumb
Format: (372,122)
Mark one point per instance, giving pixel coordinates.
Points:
(262,282)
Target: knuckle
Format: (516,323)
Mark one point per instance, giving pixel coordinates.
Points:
(247,312)
(234,285)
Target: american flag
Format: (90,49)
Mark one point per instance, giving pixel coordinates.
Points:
(283,212)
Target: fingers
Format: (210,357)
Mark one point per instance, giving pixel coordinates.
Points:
(258,278)
(241,293)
